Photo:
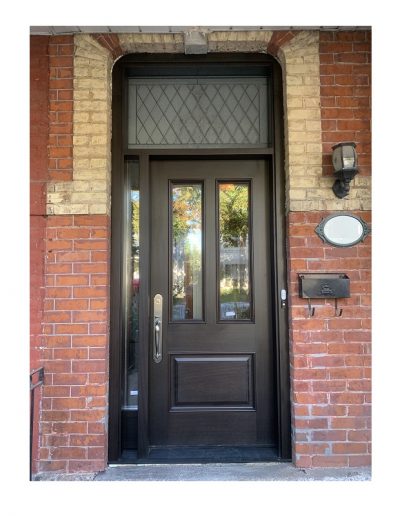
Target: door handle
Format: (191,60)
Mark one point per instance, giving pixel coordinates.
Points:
(157,328)
(157,348)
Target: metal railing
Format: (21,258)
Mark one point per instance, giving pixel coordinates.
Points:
(38,375)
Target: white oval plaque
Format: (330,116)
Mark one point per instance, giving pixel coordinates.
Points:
(342,230)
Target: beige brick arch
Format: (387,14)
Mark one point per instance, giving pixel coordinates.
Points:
(89,191)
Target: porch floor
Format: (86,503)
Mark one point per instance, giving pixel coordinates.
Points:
(216,472)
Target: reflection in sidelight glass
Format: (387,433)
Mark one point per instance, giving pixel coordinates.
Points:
(132,281)
(187,237)
(234,251)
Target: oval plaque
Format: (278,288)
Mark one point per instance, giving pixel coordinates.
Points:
(343,230)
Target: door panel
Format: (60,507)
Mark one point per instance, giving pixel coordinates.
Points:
(211,381)
(210,262)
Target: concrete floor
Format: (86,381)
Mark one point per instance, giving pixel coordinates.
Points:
(217,472)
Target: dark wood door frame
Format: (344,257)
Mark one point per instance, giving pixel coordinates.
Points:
(279,280)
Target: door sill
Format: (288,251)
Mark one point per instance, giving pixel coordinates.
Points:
(201,455)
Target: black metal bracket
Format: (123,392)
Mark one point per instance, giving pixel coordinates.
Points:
(40,373)
(341,187)
(338,312)
(311,310)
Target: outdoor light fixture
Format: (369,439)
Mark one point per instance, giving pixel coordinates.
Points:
(344,159)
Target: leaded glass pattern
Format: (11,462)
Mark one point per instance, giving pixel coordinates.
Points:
(212,112)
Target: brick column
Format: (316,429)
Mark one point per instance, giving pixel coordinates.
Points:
(331,356)
(75,397)
(39,129)
(74,416)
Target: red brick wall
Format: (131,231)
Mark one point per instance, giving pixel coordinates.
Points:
(330,356)
(75,355)
(345,59)
(61,50)
(39,128)
(111,43)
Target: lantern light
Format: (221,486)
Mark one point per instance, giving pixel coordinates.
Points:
(344,159)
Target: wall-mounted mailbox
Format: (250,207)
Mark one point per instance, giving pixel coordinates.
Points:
(324,286)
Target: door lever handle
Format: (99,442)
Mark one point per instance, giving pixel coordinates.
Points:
(157,328)
(157,332)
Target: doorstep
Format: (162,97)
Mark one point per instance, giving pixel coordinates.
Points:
(215,472)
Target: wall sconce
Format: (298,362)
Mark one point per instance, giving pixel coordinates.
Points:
(344,159)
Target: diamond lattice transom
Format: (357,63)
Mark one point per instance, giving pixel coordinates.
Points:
(197,112)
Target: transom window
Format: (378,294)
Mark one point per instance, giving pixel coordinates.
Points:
(196,112)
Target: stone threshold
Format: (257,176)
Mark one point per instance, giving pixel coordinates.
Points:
(270,472)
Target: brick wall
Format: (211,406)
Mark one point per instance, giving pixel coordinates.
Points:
(39,126)
(75,355)
(61,51)
(38,163)
(346,100)
(72,262)
(330,357)
(87,190)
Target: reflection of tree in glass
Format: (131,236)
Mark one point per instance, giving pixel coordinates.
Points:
(133,314)
(135,244)
(186,210)
(233,236)
(186,268)
(135,219)
(234,214)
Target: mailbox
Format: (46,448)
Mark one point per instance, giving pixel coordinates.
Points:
(326,286)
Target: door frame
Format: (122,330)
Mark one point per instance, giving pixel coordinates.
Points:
(278,220)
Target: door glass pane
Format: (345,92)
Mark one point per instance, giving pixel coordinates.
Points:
(234,251)
(132,247)
(187,252)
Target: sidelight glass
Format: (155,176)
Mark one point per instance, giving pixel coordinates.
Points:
(131,272)
(235,301)
(187,251)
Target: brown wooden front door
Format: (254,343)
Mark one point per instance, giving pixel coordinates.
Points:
(211,376)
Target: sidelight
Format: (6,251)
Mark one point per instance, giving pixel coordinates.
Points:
(234,251)
(187,251)
(132,247)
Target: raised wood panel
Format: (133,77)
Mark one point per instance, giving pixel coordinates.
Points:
(212,381)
